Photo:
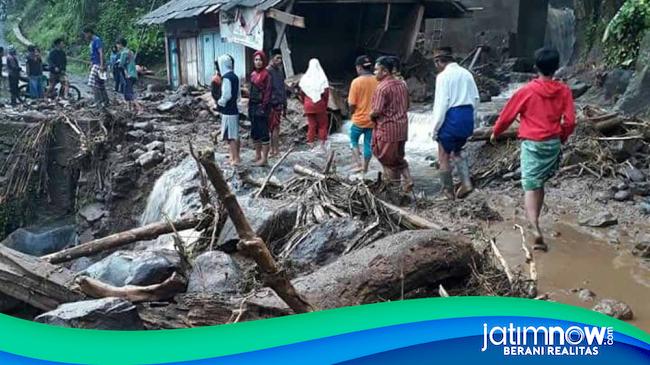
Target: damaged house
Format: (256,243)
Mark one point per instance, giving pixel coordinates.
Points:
(334,31)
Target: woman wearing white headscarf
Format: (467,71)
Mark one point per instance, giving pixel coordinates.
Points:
(314,94)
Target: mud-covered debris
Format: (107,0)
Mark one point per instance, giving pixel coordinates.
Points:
(614,308)
(166,106)
(598,220)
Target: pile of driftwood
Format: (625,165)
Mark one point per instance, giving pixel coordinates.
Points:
(602,140)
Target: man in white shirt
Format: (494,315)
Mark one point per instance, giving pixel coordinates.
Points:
(456,99)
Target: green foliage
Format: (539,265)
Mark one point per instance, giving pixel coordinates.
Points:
(625,32)
(111,19)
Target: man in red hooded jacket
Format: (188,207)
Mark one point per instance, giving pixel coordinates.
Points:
(547,115)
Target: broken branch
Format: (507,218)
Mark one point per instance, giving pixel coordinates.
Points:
(251,245)
(152,293)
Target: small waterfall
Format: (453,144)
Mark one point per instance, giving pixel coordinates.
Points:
(561,32)
(174,194)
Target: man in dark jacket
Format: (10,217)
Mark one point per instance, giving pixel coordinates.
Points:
(13,68)
(58,62)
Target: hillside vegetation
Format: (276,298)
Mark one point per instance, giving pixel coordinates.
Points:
(46,20)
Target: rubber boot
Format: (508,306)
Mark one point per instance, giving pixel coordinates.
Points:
(462,168)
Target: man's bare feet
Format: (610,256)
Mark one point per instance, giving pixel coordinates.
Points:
(463,191)
(408,186)
(261,163)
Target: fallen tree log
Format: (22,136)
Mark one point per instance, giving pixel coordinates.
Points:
(117,240)
(483,134)
(175,284)
(387,268)
(415,221)
(35,281)
(251,245)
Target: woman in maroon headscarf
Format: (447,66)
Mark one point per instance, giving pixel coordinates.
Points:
(259,108)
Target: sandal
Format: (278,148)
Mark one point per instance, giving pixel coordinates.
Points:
(540,245)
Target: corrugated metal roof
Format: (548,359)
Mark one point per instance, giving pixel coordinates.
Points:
(179,9)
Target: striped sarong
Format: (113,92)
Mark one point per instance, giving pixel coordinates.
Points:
(539,162)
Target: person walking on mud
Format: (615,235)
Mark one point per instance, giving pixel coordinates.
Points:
(95,80)
(314,95)
(390,104)
(547,113)
(278,99)
(455,103)
(360,100)
(259,107)
(227,106)
(13,70)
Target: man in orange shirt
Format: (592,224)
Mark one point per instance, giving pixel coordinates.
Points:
(360,100)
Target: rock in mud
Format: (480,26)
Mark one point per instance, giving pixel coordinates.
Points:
(145,126)
(270,219)
(150,159)
(92,212)
(214,272)
(598,220)
(136,135)
(614,308)
(156,146)
(137,153)
(635,174)
(586,295)
(642,248)
(100,314)
(135,267)
(604,196)
(166,106)
(641,189)
(622,195)
(621,186)
(645,207)
(325,243)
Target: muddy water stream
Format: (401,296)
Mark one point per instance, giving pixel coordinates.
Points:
(576,260)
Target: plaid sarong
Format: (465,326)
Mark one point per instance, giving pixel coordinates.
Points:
(93,78)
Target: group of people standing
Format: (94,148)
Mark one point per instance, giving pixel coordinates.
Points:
(266,107)
(124,69)
(34,67)
(379,104)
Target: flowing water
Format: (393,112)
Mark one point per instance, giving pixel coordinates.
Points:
(561,33)
(174,194)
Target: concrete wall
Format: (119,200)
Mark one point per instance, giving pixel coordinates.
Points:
(508,27)
(491,26)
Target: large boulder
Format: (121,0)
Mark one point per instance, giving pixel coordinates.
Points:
(635,99)
(150,159)
(270,219)
(101,314)
(214,272)
(39,241)
(135,267)
(382,271)
(418,90)
(325,243)
(616,83)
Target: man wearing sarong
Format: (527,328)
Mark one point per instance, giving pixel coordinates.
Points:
(456,99)
(278,99)
(547,113)
(97,68)
(390,104)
